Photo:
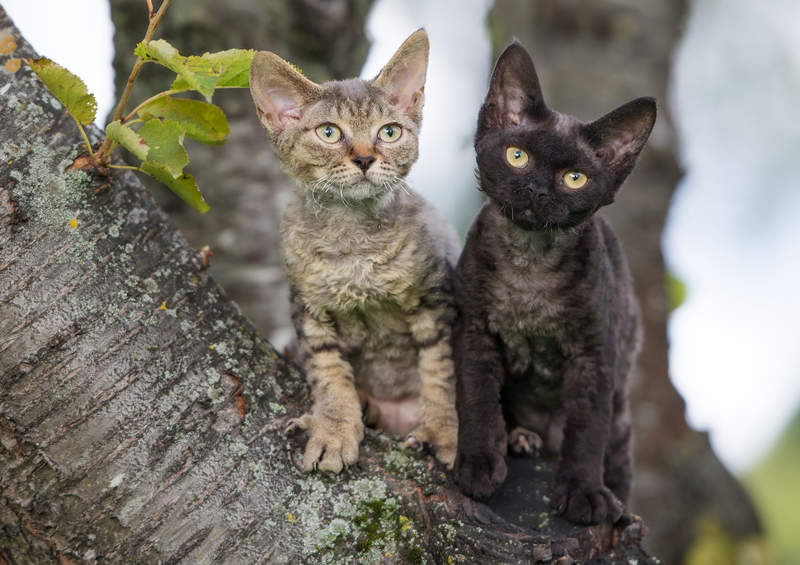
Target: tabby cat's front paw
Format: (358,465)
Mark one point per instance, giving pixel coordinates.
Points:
(443,439)
(332,444)
(479,474)
(585,502)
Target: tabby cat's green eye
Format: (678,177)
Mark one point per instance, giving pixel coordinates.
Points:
(516,157)
(390,133)
(329,133)
(574,179)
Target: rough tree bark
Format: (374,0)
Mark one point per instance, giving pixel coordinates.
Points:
(142,416)
(241,180)
(591,57)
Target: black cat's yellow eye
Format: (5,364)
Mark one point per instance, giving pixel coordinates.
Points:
(516,157)
(574,179)
(329,133)
(390,133)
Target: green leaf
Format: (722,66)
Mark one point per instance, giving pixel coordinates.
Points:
(68,88)
(128,139)
(165,139)
(200,120)
(182,185)
(233,66)
(197,73)
(676,291)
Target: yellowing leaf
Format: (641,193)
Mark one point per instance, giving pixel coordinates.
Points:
(183,185)
(67,87)
(200,120)
(165,139)
(128,139)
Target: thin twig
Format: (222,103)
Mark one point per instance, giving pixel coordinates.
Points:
(133,112)
(104,152)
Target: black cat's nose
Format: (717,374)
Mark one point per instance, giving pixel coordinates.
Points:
(538,192)
(363,161)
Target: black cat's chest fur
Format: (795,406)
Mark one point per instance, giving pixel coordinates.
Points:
(523,303)
(540,299)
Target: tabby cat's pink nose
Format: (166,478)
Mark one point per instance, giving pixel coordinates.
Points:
(364,161)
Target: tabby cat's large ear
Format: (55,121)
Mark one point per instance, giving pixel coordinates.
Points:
(620,135)
(514,96)
(403,77)
(279,91)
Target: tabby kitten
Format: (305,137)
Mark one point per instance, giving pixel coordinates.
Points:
(551,324)
(369,262)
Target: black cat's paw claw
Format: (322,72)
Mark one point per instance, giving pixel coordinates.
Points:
(479,475)
(585,503)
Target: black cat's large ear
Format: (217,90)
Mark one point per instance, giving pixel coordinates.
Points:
(280,92)
(620,135)
(403,77)
(514,96)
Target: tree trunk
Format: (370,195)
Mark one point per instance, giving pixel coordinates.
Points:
(592,57)
(242,180)
(142,416)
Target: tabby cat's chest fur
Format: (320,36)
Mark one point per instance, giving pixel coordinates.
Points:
(351,264)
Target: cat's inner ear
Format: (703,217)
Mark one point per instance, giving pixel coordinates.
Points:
(280,92)
(403,77)
(620,135)
(514,97)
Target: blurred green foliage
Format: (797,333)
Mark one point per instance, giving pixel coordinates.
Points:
(775,487)
(676,291)
(715,546)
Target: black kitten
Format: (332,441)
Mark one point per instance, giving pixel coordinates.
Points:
(550,328)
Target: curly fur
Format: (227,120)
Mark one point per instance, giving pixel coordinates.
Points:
(368,260)
(550,323)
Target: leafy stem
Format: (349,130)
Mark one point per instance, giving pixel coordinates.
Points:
(162,121)
(104,153)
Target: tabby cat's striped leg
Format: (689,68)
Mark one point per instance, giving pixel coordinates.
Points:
(334,424)
(431,329)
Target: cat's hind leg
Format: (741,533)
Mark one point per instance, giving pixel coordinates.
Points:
(438,420)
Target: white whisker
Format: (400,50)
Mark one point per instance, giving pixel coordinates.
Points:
(403,184)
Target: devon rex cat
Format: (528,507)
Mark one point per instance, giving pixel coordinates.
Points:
(369,262)
(551,324)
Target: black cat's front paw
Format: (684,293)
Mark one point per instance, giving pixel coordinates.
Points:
(585,502)
(479,474)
